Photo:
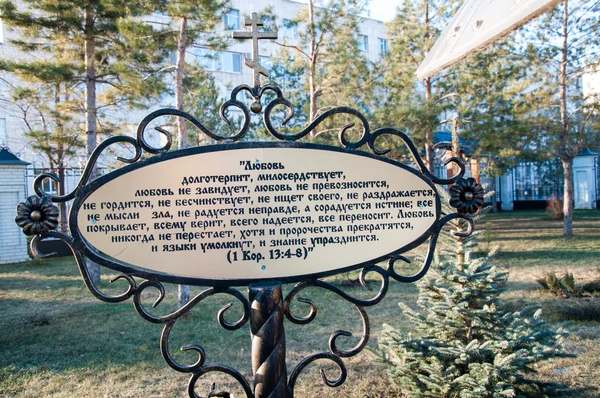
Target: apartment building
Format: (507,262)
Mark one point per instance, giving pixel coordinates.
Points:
(226,66)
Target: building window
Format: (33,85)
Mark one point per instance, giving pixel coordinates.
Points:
(220,61)
(383,46)
(232,19)
(49,186)
(290,29)
(3,135)
(232,62)
(209,59)
(363,43)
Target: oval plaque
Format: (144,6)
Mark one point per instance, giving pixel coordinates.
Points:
(249,212)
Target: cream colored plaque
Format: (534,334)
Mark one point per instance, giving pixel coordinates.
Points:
(258,213)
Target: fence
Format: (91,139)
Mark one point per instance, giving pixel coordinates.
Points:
(72,177)
(537,181)
(597,173)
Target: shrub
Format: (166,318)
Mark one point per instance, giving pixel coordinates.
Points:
(592,288)
(554,208)
(578,309)
(563,285)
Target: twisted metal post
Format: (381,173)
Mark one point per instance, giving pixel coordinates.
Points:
(266,306)
(268,341)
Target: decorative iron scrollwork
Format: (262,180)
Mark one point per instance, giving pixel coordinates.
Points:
(38,216)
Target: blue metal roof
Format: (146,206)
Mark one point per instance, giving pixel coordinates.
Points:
(443,139)
(587,152)
(7,157)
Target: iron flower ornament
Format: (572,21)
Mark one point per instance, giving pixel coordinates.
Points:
(466,196)
(265,307)
(37,215)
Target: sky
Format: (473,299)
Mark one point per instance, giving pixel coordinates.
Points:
(383,10)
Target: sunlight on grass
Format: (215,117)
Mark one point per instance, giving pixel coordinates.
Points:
(57,340)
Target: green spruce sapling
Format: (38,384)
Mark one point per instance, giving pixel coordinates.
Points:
(464,343)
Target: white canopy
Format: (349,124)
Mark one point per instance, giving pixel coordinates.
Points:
(477,24)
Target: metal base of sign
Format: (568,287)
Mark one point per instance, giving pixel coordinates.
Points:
(266,306)
(268,341)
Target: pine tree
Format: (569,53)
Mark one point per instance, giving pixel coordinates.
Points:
(44,99)
(101,42)
(564,46)
(465,344)
(45,109)
(290,77)
(184,25)
(201,97)
(413,105)
(492,102)
(335,71)
(187,24)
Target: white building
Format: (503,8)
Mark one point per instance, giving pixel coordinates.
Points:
(591,85)
(226,66)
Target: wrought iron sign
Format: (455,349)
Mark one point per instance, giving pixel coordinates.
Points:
(257,214)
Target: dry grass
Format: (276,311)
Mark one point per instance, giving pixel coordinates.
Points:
(56,340)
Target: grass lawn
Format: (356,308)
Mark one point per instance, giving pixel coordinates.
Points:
(57,340)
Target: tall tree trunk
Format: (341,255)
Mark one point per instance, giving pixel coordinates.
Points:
(493,197)
(455,146)
(60,156)
(312,85)
(90,81)
(492,188)
(63,225)
(568,197)
(183,291)
(476,169)
(428,131)
(566,157)
(90,107)
(182,141)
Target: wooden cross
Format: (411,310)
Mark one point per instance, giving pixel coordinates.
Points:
(255,35)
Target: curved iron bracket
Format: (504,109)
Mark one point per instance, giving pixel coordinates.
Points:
(38,216)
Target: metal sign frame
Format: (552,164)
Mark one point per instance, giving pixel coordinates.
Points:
(266,306)
(91,252)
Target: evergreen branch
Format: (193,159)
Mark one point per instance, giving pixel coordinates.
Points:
(159,71)
(582,15)
(294,48)
(108,82)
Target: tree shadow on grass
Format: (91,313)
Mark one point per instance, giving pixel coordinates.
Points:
(62,336)
(516,226)
(59,335)
(521,239)
(548,255)
(522,286)
(39,283)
